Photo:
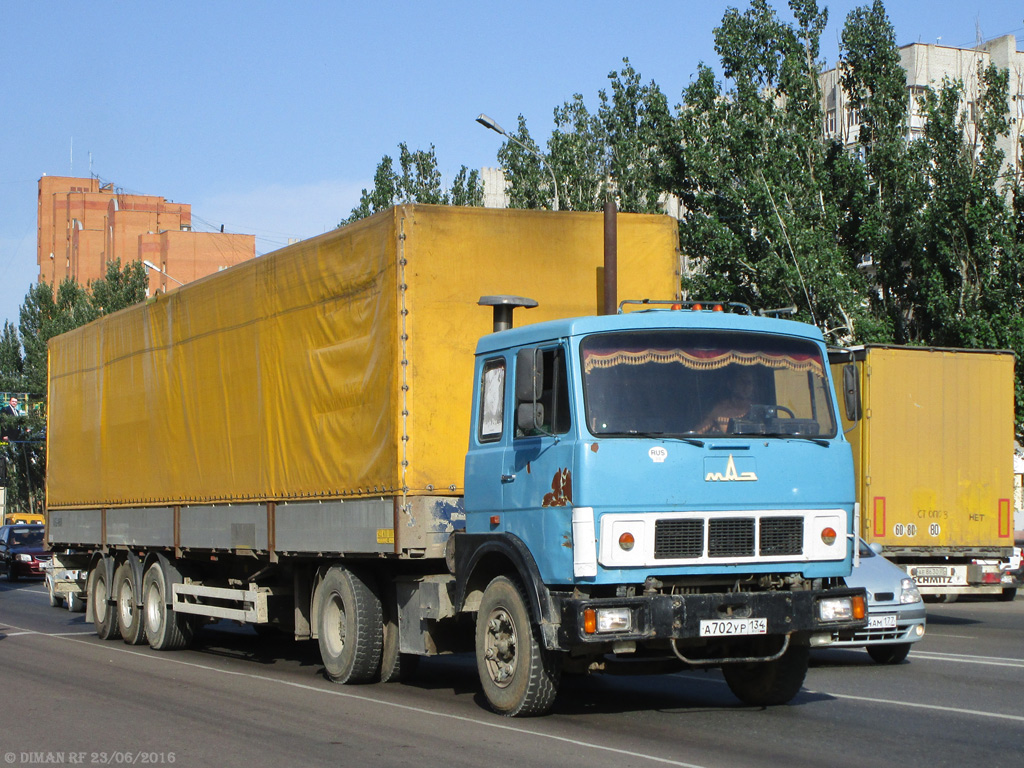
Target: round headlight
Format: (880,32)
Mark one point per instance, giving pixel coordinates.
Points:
(828,535)
(626,541)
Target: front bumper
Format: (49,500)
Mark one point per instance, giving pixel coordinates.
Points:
(905,631)
(679,617)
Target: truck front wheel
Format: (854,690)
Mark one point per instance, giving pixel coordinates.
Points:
(519,675)
(766,683)
(350,626)
(104,615)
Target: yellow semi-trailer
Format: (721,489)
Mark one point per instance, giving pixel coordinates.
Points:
(221,450)
(934,463)
(336,369)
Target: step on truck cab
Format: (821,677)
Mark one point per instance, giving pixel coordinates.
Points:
(656,489)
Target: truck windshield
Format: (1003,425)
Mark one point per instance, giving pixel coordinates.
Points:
(705,384)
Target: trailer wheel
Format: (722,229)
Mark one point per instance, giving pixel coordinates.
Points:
(75,602)
(766,683)
(1008,594)
(55,600)
(129,616)
(350,626)
(104,615)
(165,629)
(395,666)
(889,654)
(519,675)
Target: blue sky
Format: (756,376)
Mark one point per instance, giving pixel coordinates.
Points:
(270,117)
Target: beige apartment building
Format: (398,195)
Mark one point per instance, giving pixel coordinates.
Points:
(927,65)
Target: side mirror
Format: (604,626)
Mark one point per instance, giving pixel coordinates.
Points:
(529,375)
(851,393)
(530,417)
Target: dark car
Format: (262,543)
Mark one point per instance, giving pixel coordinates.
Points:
(22,551)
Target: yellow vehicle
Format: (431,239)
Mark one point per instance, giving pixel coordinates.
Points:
(20,518)
(933,459)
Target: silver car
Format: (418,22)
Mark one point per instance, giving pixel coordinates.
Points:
(896,614)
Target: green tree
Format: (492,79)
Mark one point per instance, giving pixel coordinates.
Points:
(23,357)
(418,182)
(752,170)
(529,183)
(120,287)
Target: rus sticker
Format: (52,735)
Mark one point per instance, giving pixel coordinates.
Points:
(658,454)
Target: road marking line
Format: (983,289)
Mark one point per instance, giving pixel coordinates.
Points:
(995,661)
(405,707)
(956,710)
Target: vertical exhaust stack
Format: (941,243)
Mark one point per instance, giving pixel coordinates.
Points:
(503,308)
(611,257)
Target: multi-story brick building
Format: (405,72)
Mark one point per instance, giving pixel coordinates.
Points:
(926,66)
(85,225)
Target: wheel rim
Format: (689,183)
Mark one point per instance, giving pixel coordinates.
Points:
(334,631)
(153,608)
(126,602)
(101,595)
(500,645)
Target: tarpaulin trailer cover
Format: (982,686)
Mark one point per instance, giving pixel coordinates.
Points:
(337,367)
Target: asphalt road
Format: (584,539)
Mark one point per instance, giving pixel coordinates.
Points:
(236,700)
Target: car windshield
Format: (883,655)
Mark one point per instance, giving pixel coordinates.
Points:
(705,383)
(865,550)
(25,537)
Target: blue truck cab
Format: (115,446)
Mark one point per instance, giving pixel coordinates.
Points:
(667,488)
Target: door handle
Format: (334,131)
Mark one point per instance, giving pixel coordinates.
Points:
(508,478)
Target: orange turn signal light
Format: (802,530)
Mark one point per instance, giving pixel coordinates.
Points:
(828,536)
(589,621)
(859,607)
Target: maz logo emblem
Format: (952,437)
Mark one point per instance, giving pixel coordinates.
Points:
(731,475)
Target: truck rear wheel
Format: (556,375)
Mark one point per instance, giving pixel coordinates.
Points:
(165,629)
(519,675)
(767,683)
(104,615)
(129,616)
(349,626)
(395,666)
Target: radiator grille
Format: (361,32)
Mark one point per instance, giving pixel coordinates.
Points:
(731,537)
(781,536)
(676,539)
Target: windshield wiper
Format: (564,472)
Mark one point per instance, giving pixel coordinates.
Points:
(661,436)
(791,436)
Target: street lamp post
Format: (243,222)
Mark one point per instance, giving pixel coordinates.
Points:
(487,122)
(155,268)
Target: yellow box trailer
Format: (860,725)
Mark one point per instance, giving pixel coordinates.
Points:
(335,369)
(934,463)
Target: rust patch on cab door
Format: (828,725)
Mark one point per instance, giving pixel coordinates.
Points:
(561,490)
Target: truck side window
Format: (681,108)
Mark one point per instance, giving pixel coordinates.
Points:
(555,396)
(492,401)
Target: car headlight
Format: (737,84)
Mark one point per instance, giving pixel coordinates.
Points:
(909,592)
(24,558)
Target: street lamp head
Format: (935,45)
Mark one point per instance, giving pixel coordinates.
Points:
(487,122)
(151,265)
